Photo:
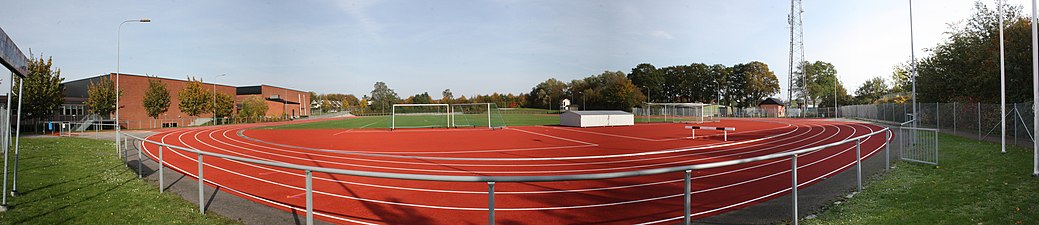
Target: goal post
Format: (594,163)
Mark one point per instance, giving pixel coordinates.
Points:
(673,112)
(476,115)
(420,116)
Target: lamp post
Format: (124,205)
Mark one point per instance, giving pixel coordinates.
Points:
(118,41)
(214,96)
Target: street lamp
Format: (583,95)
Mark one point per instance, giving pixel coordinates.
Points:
(118,37)
(214,96)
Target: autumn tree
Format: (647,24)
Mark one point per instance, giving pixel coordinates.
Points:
(43,89)
(253,108)
(195,99)
(156,98)
(871,91)
(101,96)
(224,105)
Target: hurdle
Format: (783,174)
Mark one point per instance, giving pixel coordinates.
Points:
(723,129)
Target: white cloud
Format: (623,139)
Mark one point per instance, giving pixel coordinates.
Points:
(357,10)
(662,34)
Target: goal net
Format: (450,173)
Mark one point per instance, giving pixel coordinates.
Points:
(674,113)
(476,115)
(420,116)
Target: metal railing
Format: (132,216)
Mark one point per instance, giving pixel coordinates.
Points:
(491,180)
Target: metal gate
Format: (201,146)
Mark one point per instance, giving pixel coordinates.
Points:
(918,144)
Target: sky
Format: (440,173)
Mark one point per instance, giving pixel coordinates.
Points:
(470,47)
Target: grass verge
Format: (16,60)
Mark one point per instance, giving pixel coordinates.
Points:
(79,181)
(975,184)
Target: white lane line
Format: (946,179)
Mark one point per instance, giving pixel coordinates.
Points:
(366,125)
(241,133)
(255,177)
(248,195)
(481,172)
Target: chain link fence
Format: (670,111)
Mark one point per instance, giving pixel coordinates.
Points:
(967,119)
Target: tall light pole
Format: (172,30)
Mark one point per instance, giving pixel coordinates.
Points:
(835,97)
(912,55)
(1035,90)
(118,37)
(1002,85)
(214,96)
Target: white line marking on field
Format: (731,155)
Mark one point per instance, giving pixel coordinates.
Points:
(366,125)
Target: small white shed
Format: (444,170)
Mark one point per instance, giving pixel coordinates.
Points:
(596,118)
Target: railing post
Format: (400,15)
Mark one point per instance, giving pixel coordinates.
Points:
(688,197)
(201,187)
(490,203)
(161,186)
(310,197)
(793,185)
(140,170)
(887,152)
(936,147)
(858,163)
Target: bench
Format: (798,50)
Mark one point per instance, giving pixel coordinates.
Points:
(723,129)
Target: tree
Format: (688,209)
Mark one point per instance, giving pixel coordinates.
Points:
(448,97)
(101,96)
(965,67)
(43,89)
(547,93)
(871,91)
(423,98)
(649,79)
(253,108)
(756,82)
(156,98)
(900,79)
(383,97)
(224,105)
(194,98)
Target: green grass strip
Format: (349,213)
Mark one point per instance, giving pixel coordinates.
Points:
(975,184)
(80,181)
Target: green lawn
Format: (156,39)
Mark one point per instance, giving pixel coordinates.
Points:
(508,119)
(974,185)
(80,181)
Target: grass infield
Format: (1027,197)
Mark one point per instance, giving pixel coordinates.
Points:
(975,184)
(80,181)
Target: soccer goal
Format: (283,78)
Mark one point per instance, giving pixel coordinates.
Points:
(420,116)
(674,113)
(476,115)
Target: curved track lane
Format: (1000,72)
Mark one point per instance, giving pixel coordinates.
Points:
(537,151)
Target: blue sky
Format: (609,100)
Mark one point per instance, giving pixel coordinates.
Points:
(471,47)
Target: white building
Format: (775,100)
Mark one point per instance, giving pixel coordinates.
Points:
(596,118)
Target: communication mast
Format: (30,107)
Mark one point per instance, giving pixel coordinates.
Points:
(797,55)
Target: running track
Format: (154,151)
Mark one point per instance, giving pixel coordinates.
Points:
(517,151)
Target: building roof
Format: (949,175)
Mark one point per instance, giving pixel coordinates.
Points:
(599,112)
(771,101)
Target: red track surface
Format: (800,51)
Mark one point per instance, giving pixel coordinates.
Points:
(644,199)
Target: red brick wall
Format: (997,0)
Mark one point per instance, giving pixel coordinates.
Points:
(276,108)
(132,102)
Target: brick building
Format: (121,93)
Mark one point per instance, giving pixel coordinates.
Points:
(280,101)
(134,116)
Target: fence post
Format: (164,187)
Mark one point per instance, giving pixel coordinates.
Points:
(979,120)
(161,186)
(793,185)
(490,203)
(954,117)
(938,115)
(201,188)
(858,163)
(688,197)
(310,198)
